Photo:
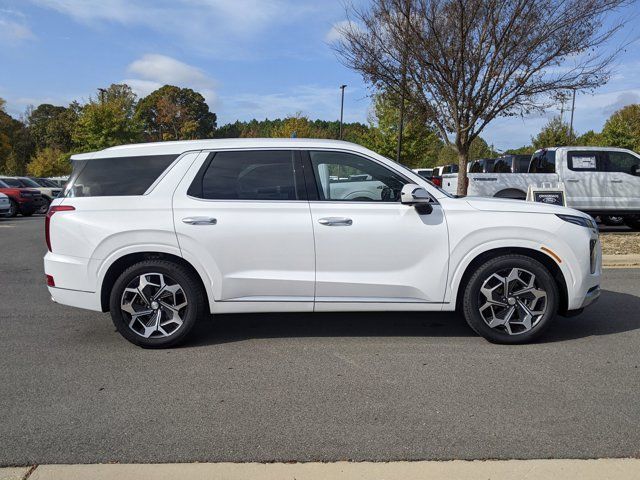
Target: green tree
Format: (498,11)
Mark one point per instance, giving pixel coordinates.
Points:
(297,126)
(420,143)
(108,120)
(622,129)
(51,126)
(49,162)
(590,139)
(555,133)
(173,113)
(15,143)
(524,150)
(479,149)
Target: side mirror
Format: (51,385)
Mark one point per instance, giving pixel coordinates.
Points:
(417,196)
(636,170)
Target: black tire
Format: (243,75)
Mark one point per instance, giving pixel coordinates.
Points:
(44,208)
(13,208)
(472,299)
(192,293)
(633,221)
(612,220)
(27,213)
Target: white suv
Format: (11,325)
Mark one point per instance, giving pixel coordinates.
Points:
(163,234)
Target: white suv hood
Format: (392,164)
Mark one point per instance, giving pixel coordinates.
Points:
(508,205)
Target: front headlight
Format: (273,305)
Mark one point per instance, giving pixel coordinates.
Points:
(581,221)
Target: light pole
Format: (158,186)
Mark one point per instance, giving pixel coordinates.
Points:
(342,87)
(573,107)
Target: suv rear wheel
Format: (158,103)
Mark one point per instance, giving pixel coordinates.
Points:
(156,303)
(510,299)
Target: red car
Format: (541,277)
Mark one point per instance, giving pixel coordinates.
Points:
(22,200)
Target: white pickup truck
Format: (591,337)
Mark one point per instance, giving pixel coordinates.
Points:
(597,180)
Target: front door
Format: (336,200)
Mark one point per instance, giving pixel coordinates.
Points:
(624,179)
(370,248)
(586,181)
(243,216)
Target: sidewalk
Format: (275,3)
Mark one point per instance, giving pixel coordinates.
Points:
(611,469)
(621,261)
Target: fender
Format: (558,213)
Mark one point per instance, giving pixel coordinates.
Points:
(98,268)
(458,270)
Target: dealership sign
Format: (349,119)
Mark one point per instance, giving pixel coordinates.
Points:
(551,195)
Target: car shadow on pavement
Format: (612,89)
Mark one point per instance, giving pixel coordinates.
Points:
(614,313)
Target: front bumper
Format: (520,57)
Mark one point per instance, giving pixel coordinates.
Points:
(592,295)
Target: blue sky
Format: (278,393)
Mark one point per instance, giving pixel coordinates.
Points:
(249,58)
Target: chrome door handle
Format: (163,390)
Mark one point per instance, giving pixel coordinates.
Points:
(336,221)
(616,181)
(200,220)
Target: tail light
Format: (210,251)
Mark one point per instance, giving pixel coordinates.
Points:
(437,181)
(50,281)
(47,220)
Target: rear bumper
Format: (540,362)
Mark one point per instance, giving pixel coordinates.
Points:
(76,298)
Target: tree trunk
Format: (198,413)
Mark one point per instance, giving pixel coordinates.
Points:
(463,159)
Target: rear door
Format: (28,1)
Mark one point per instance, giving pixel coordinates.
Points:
(586,180)
(624,179)
(244,216)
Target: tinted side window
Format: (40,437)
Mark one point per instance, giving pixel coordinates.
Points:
(348,177)
(543,162)
(522,163)
(103,177)
(249,175)
(623,162)
(502,165)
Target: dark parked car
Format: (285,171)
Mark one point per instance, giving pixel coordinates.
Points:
(25,201)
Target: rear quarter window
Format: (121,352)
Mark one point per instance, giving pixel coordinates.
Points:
(113,177)
(543,161)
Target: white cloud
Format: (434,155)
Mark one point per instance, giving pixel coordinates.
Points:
(335,33)
(219,27)
(162,68)
(151,71)
(13,29)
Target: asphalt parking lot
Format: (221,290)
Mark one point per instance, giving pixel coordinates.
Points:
(383,386)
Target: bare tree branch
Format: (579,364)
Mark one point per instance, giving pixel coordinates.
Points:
(463,63)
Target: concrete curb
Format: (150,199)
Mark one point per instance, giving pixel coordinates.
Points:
(612,469)
(14,473)
(621,261)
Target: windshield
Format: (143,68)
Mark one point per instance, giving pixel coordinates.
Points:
(3,185)
(48,183)
(13,182)
(29,183)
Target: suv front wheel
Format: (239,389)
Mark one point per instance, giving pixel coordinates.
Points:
(510,299)
(156,303)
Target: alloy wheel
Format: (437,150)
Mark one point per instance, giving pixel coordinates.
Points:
(154,305)
(512,301)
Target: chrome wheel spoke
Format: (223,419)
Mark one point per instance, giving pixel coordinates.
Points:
(154,305)
(512,301)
